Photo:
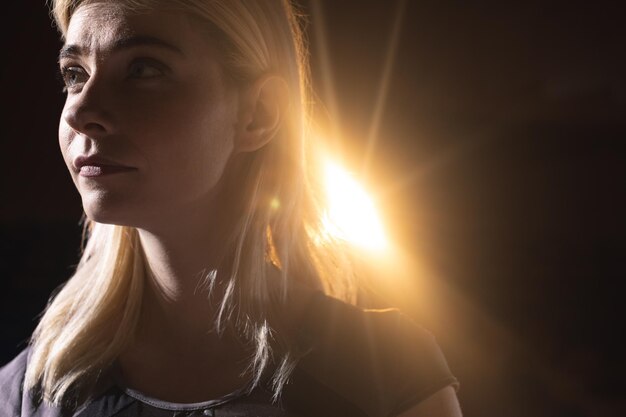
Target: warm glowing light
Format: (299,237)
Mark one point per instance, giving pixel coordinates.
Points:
(351,213)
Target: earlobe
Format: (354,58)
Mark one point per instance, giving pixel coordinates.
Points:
(263,106)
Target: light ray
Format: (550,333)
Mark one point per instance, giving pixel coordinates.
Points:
(383,88)
(441,160)
(327,78)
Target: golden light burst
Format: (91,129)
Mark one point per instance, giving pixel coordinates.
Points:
(351,214)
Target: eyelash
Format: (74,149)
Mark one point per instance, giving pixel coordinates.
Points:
(67,71)
(149,63)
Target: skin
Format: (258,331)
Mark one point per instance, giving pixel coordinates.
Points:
(171,116)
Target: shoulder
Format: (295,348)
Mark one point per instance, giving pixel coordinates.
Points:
(11,381)
(14,402)
(374,363)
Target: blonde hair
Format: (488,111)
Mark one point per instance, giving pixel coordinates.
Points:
(94,316)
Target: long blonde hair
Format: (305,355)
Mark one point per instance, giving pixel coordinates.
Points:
(94,316)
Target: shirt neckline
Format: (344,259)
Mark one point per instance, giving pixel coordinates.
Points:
(173,406)
(118,381)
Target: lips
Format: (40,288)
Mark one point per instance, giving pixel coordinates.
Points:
(96,166)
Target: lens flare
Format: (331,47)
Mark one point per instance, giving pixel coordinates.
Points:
(351,214)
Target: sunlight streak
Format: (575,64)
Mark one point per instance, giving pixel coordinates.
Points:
(383,88)
(327,78)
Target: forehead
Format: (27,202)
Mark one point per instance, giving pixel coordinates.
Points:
(98,26)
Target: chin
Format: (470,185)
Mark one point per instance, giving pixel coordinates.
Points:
(105,217)
(120,212)
(105,211)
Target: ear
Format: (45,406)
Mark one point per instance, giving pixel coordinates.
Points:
(263,106)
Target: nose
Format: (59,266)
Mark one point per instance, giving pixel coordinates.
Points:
(90,111)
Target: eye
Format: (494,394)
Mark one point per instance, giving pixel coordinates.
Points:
(73,76)
(145,68)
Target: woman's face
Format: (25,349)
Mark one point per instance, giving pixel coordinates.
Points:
(149,121)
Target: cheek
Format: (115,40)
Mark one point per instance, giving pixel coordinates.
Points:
(64,138)
(65,141)
(187,132)
(70,145)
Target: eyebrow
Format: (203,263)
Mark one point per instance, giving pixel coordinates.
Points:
(73,50)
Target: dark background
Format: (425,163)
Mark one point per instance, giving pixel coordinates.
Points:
(500,157)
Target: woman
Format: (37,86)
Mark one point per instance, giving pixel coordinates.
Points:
(206,286)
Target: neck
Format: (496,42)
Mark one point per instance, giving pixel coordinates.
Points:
(182,257)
